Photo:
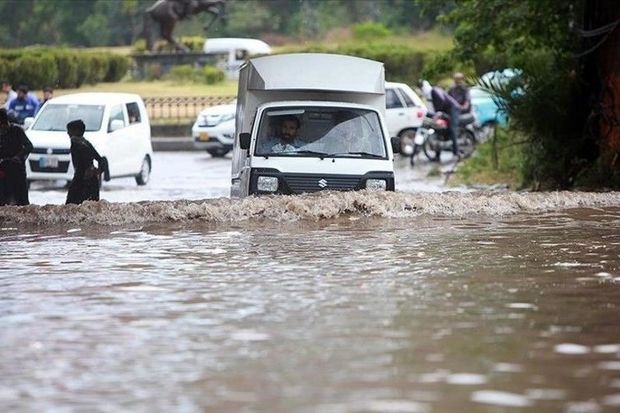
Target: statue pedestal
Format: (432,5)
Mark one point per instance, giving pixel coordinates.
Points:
(155,65)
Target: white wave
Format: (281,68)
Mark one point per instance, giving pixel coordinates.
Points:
(325,205)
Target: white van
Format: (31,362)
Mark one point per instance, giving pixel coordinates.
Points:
(236,52)
(116,124)
(338,104)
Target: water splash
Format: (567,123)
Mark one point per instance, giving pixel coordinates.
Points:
(325,205)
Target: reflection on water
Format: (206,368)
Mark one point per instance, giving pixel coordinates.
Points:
(355,314)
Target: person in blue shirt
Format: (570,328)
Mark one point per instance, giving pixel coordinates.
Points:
(24,105)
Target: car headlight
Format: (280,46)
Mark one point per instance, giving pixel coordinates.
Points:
(267,184)
(376,184)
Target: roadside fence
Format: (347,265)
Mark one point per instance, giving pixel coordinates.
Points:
(180,109)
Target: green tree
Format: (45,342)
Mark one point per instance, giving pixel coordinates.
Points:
(546,102)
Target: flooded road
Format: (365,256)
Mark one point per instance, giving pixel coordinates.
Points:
(449,309)
(196,175)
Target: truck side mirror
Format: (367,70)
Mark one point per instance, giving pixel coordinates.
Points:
(244,140)
(395,140)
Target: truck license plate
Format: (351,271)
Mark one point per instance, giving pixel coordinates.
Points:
(48,162)
(204,136)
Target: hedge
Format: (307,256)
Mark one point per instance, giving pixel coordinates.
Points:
(60,68)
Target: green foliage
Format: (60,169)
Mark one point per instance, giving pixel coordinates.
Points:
(188,74)
(120,22)
(370,31)
(118,67)
(499,159)
(5,68)
(34,71)
(182,74)
(59,67)
(212,75)
(535,36)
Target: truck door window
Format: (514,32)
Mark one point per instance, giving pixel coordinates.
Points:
(391,99)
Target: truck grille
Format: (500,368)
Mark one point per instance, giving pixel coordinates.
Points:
(313,183)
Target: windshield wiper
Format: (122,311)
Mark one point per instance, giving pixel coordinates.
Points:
(310,152)
(371,155)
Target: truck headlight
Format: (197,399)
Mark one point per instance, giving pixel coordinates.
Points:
(267,184)
(376,184)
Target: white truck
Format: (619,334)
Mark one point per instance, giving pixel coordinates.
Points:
(309,122)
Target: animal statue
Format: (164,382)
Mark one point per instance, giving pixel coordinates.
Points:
(167,13)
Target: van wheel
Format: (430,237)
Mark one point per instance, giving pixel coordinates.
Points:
(145,172)
(217,152)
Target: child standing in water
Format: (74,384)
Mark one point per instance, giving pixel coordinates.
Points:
(87,178)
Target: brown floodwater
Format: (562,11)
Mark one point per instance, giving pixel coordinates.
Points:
(355,313)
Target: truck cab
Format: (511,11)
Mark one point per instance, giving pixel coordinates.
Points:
(311,122)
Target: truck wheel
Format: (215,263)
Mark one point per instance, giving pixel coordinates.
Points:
(217,152)
(145,172)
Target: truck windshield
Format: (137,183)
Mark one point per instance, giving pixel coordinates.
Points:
(321,132)
(54,117)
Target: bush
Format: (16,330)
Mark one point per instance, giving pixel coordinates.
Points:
(67,70)
(212,75)
(117,68)
(5,68)
(182,74)
(34,71)
(370,31)
(38,67)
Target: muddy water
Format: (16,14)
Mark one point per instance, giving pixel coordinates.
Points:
(356,313)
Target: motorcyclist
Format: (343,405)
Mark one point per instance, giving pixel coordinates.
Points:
(460,92)
(443,102)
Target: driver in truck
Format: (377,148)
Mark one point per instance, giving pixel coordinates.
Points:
(287,141)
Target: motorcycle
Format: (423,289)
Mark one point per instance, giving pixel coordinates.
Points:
(433,136)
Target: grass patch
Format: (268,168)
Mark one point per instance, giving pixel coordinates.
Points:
(159,88)
(487,169)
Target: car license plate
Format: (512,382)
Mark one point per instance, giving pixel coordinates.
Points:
(48,162)
(204,136)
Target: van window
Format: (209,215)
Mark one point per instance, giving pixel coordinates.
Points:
(133,113)
(54,117)
(116,113)
(391,99)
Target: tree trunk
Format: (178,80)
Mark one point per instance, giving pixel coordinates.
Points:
(607,60)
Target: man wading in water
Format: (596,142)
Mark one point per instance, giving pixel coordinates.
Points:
(14,149)
(87,178)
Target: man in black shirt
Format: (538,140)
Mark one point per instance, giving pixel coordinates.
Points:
(14,149)
(460,92)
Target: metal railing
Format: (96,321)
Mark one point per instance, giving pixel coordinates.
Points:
(180,109)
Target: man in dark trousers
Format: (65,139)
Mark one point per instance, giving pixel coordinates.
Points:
(14,149)
(87,178)
(442,102)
